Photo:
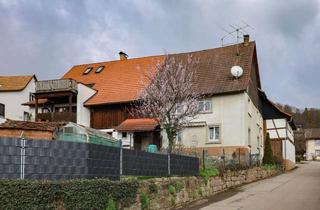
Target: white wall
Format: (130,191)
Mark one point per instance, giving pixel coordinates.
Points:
(13,100)
(231,113)
(83,113)
(311,148)
(288,151)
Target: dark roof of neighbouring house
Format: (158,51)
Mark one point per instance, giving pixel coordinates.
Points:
(28,125)
(270,110)
(120,80)
(143,124)
(14,83)
(312,133)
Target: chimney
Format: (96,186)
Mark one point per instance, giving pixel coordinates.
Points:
(246,39)
(123,56)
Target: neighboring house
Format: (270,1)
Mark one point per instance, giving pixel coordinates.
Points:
(14,91)
(312,137)
(29,130)
(280,127)
(61,100)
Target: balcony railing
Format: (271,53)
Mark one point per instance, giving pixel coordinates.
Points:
(56,85)
(58,117)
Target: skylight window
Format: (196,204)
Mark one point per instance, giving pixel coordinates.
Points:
(87,71)
(99,69)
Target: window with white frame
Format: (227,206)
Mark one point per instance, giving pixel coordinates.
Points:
(179,108)
(214,133)
(317,142)
(205,106)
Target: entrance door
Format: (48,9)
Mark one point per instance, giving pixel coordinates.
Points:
(137,141)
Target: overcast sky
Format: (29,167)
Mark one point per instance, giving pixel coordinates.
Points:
(47,38)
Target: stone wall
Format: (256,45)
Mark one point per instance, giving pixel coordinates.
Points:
(168,193)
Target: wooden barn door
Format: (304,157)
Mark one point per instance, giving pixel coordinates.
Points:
(277,148)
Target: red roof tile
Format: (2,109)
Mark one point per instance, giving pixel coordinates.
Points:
(143,124)
(120,81)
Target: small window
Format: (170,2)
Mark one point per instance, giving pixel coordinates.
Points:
(179,109)
(317,142)
(2,110)
(214,134)
(124,135)
(88,70)
(26,116)
(99,69)
(205,106)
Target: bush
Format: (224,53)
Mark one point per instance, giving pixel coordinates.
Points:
(172,190)
(111,205)
(145,201)
(153,188)
(270,166)
(299,158)
(209,172)
(268,154)
(70,194)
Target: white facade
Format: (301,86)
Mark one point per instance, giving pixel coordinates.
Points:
(281,129)
(238,120)
(83,113)
(313,149)
(13,101)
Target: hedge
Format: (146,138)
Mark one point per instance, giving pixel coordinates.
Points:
(69,194)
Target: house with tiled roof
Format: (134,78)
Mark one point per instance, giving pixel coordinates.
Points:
(312,137)
(231,120)
(14,91)
(229,103)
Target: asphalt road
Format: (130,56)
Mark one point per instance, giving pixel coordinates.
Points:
(295,190)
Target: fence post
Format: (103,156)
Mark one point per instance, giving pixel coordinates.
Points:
(169,160)
(22,157)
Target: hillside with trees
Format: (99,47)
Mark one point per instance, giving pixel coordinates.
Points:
(305,118)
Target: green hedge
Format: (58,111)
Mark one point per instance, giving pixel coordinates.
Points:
(70,194)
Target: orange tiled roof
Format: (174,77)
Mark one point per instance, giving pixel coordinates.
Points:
(143,124)
(14,83)
(120,81)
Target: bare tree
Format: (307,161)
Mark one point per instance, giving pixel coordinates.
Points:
(170,96)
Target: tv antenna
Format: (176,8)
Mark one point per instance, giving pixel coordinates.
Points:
(236,31)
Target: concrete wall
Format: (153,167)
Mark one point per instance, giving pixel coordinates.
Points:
(13,100)
(83,113)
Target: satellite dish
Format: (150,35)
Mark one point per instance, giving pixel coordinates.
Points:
(236,71)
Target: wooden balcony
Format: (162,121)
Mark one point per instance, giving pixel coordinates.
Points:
(58,117)
(58,85)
